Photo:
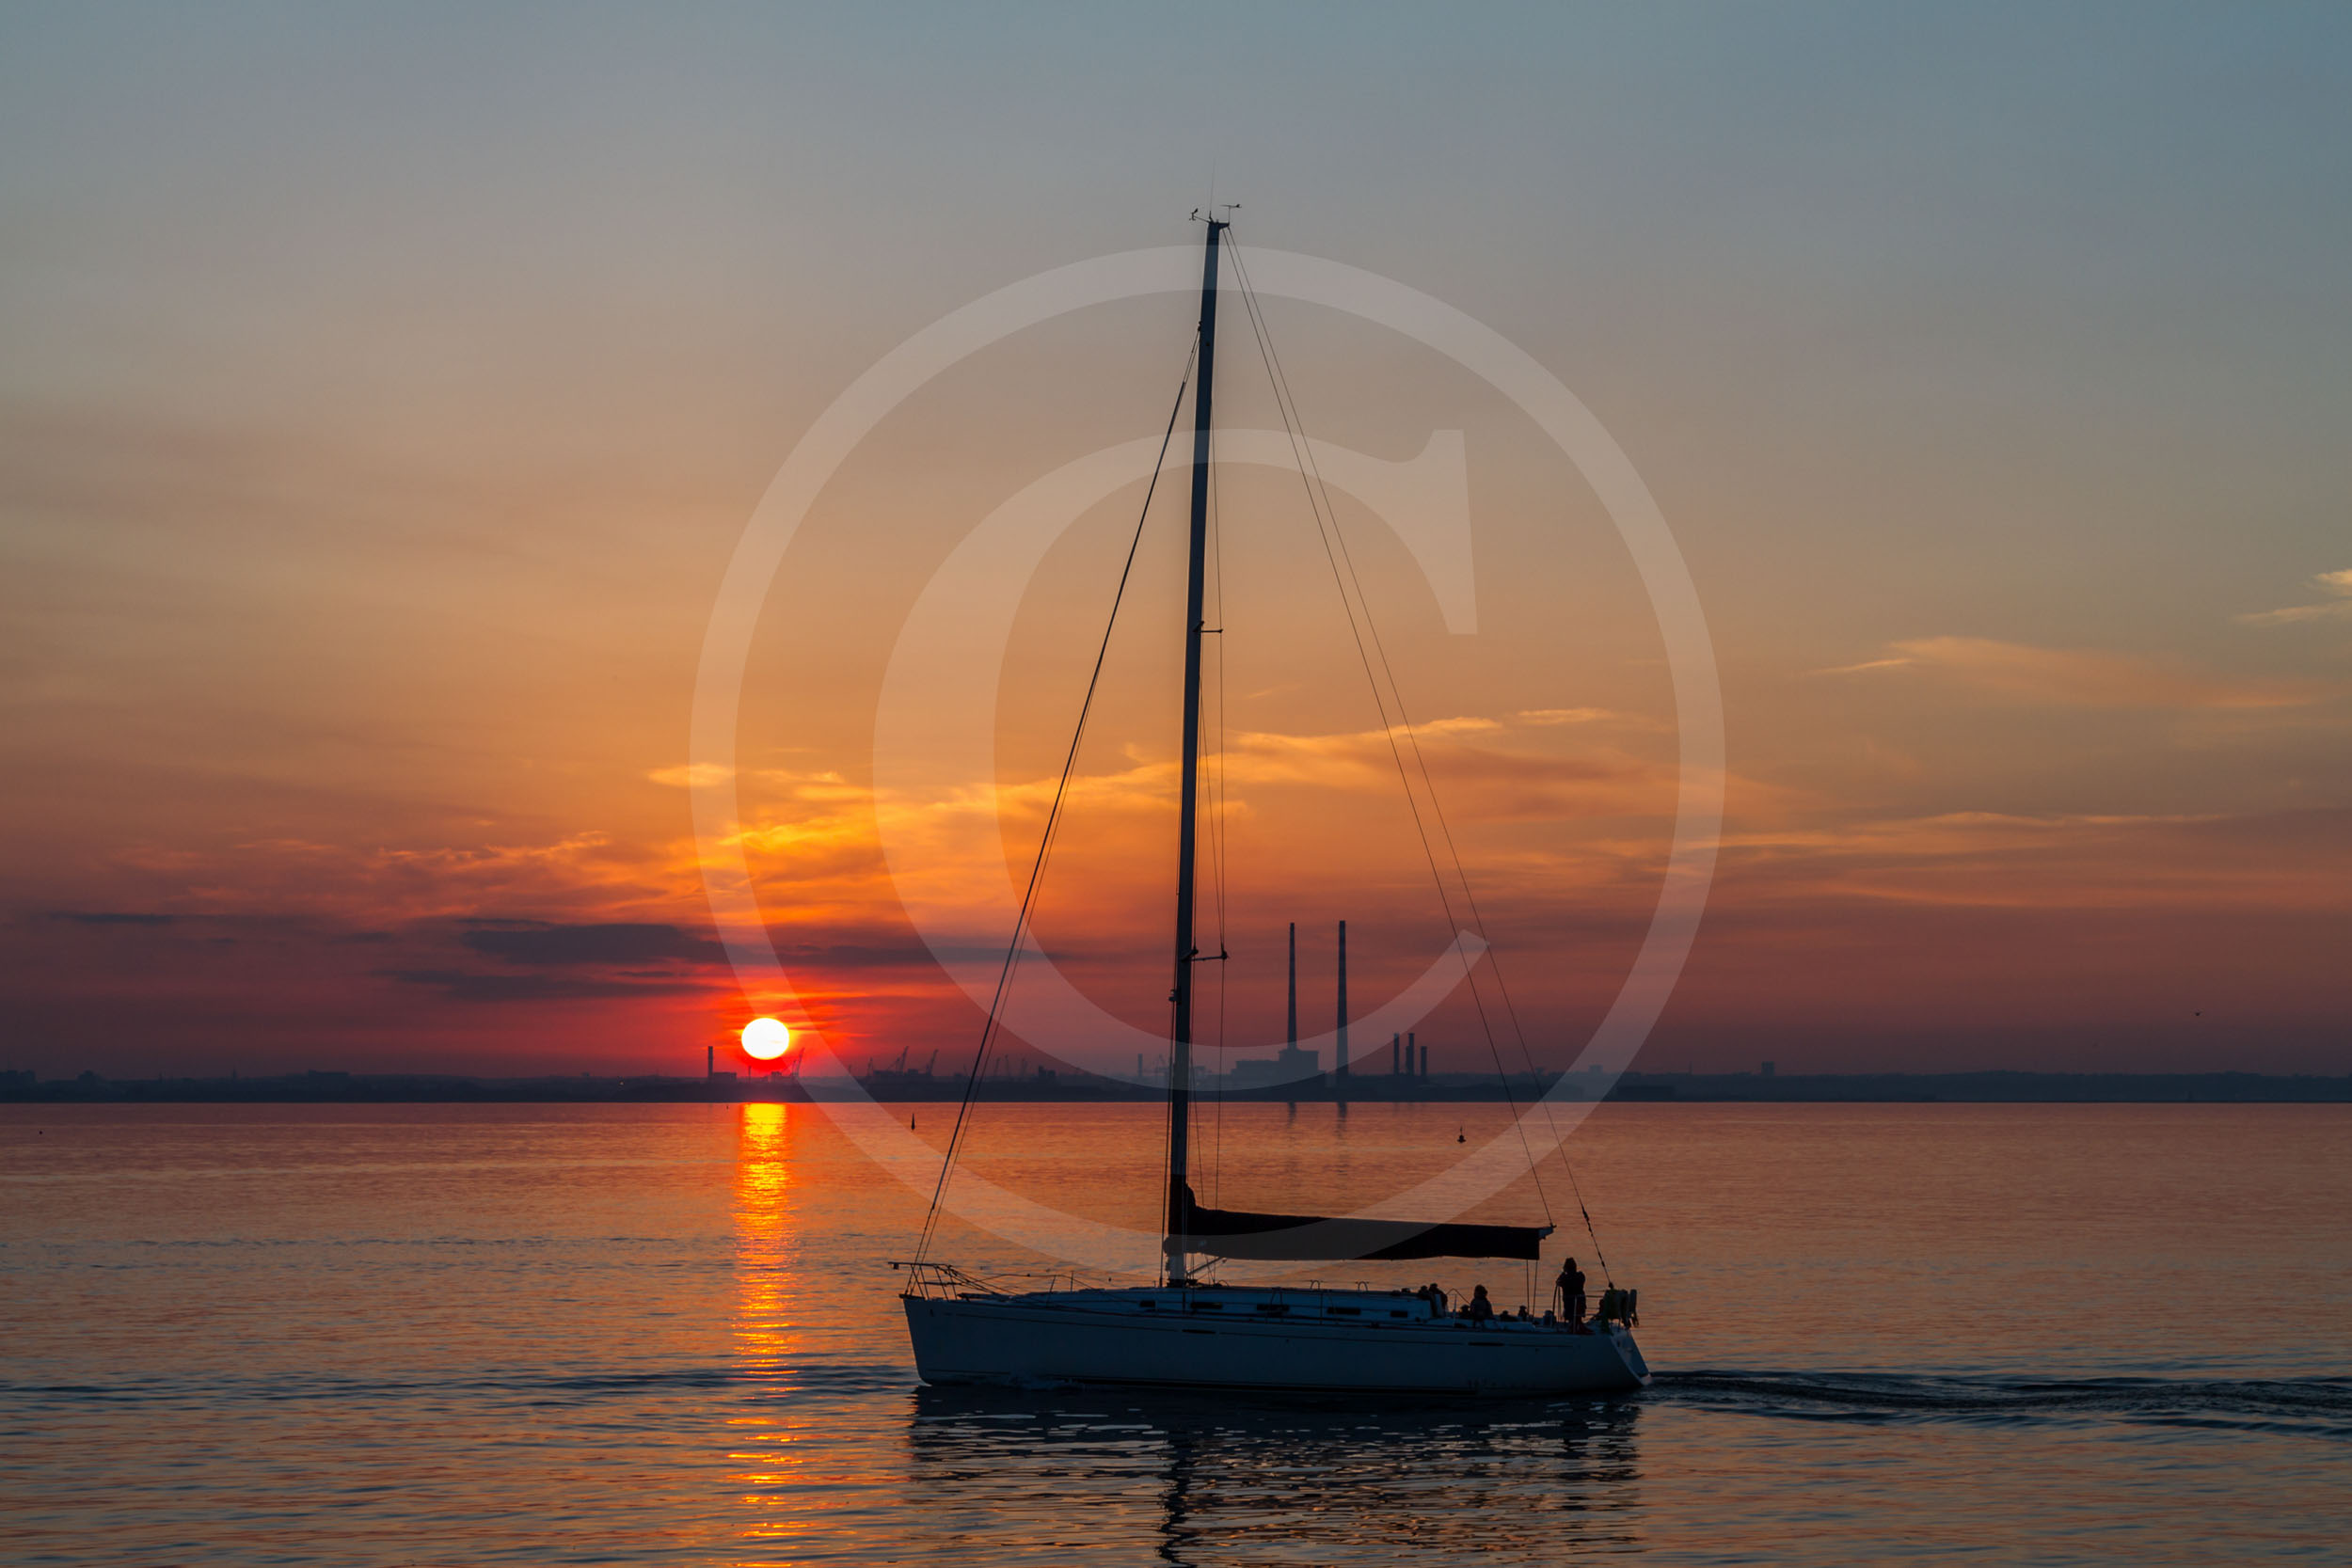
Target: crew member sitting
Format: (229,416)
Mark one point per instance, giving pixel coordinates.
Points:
(1479,1308)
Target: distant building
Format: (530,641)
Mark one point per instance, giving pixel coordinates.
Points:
(1289,1065)
(1769,1067)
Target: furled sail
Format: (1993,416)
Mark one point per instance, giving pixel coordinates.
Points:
(1239,1234)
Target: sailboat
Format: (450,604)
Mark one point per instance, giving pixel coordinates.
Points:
(1188,1330)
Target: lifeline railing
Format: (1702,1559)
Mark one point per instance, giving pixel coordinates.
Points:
(944,1280)
(932,1280)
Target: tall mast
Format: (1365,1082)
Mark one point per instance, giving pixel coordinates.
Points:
(1177,1245)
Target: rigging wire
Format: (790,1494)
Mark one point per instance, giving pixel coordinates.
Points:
(991,1026)
(1319,504)
(1326,528)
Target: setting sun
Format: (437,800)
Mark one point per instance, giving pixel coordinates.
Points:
(767,1038)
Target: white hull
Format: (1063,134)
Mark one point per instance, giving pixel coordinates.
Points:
(1110,1336)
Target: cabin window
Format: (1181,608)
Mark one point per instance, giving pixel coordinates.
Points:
(1347,1311)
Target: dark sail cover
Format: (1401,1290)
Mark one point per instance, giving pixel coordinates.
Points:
(1236,1233)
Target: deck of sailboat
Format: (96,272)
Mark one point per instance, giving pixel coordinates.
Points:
(1251,1336)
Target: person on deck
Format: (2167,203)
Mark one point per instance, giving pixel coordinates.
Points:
(1570,1286)
(1479,1309)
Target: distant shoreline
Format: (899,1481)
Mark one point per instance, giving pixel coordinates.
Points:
(1361,1089)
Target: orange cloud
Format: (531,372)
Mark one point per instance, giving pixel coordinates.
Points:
(1570,716)
(692,774)
(2337,583)
(2082,678)
(2090,861)
(815,842)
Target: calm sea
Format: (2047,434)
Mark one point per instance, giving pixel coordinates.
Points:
(463,1335)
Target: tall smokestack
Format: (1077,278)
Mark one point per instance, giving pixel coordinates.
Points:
(1339,1072)
(711,1061)
(1294,1026)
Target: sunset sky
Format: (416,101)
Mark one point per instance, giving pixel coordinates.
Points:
(383,395)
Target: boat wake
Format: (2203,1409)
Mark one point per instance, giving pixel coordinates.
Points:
(820,1380)
(2313,1407)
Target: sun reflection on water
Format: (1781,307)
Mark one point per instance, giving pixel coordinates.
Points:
(767,1452)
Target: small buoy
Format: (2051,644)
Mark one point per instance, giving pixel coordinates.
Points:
(1460,1137)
